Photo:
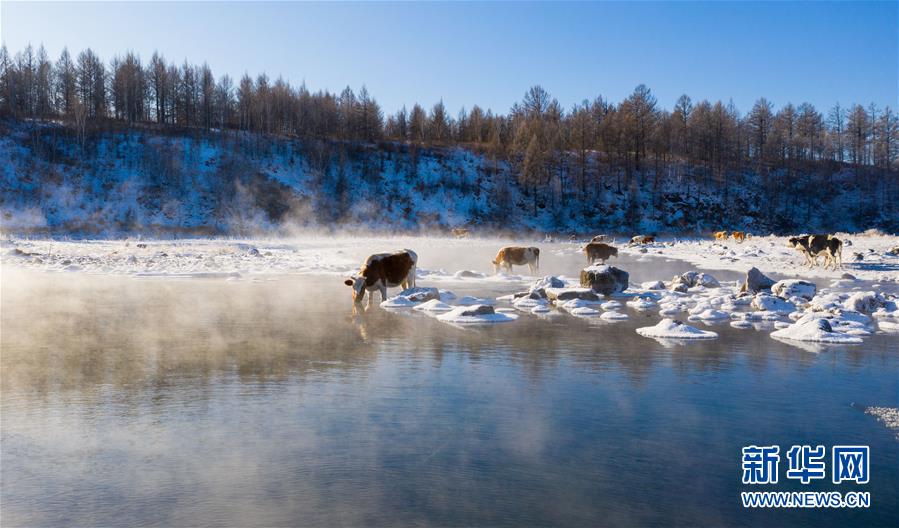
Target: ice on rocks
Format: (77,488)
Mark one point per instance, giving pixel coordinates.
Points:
(653,285)
(605,280)
(584,311)
(434,305)
(672,329)
(709,315)
(610,305)
(814,329)
(613,316)
(786,289)
(468,274)
(476,314)
(865,302)
(770,303)
(642,303)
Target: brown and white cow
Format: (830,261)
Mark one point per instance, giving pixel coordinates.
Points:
(381,271)
(518,256)
(720,236)
(643,239)
(738,236)
(599,251)
(600,238)
(461,232)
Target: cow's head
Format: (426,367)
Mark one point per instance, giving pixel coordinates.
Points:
(794,242)
(358,285)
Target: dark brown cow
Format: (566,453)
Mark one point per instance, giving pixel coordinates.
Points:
(813,246)
(598,251)
(519,256)
(382,271)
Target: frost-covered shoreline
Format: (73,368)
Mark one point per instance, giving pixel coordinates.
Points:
(770,254)
(322,253)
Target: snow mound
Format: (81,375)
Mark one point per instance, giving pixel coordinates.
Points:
(816,330)
(709,315)
(794,288)
(613,316)
(671,329)
(642,303)
(434,305)
(468,274)
(476,314)
(770,303)
(865,302)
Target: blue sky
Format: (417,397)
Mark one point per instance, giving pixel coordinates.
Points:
(490,53)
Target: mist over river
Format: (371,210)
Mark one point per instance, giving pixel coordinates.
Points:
(263,399)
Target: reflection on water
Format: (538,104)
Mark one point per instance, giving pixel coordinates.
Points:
(234,403)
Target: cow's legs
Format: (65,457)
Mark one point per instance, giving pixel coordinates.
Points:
(383,293)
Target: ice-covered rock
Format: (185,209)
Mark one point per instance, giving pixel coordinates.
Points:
(613,316)
(865,302)
(709,315)
(566,294)
(642,303)
(540,309)
(816,330)
(610,305)
(794,288)
(693,279)
(468,274)
(529,302)
(604,279)
(755,281)
(672,329)
(653,285)
(547,282)
(584,310)
(434,305)
(419,295)
(827,301)
(476,314)
(770,303)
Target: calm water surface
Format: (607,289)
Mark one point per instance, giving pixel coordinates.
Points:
(267,402)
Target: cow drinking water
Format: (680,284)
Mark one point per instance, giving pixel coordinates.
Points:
(381,271)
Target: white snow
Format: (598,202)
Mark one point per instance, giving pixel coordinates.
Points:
(816,330)
(434,305)
(613,316)
(458,316)
(770,254)
(671,329)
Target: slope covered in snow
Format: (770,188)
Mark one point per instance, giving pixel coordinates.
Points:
(128,181)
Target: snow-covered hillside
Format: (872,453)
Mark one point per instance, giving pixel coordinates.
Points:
(124,181)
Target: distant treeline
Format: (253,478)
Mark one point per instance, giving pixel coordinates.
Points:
(552,151)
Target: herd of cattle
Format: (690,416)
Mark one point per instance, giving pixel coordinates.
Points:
(389,270)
